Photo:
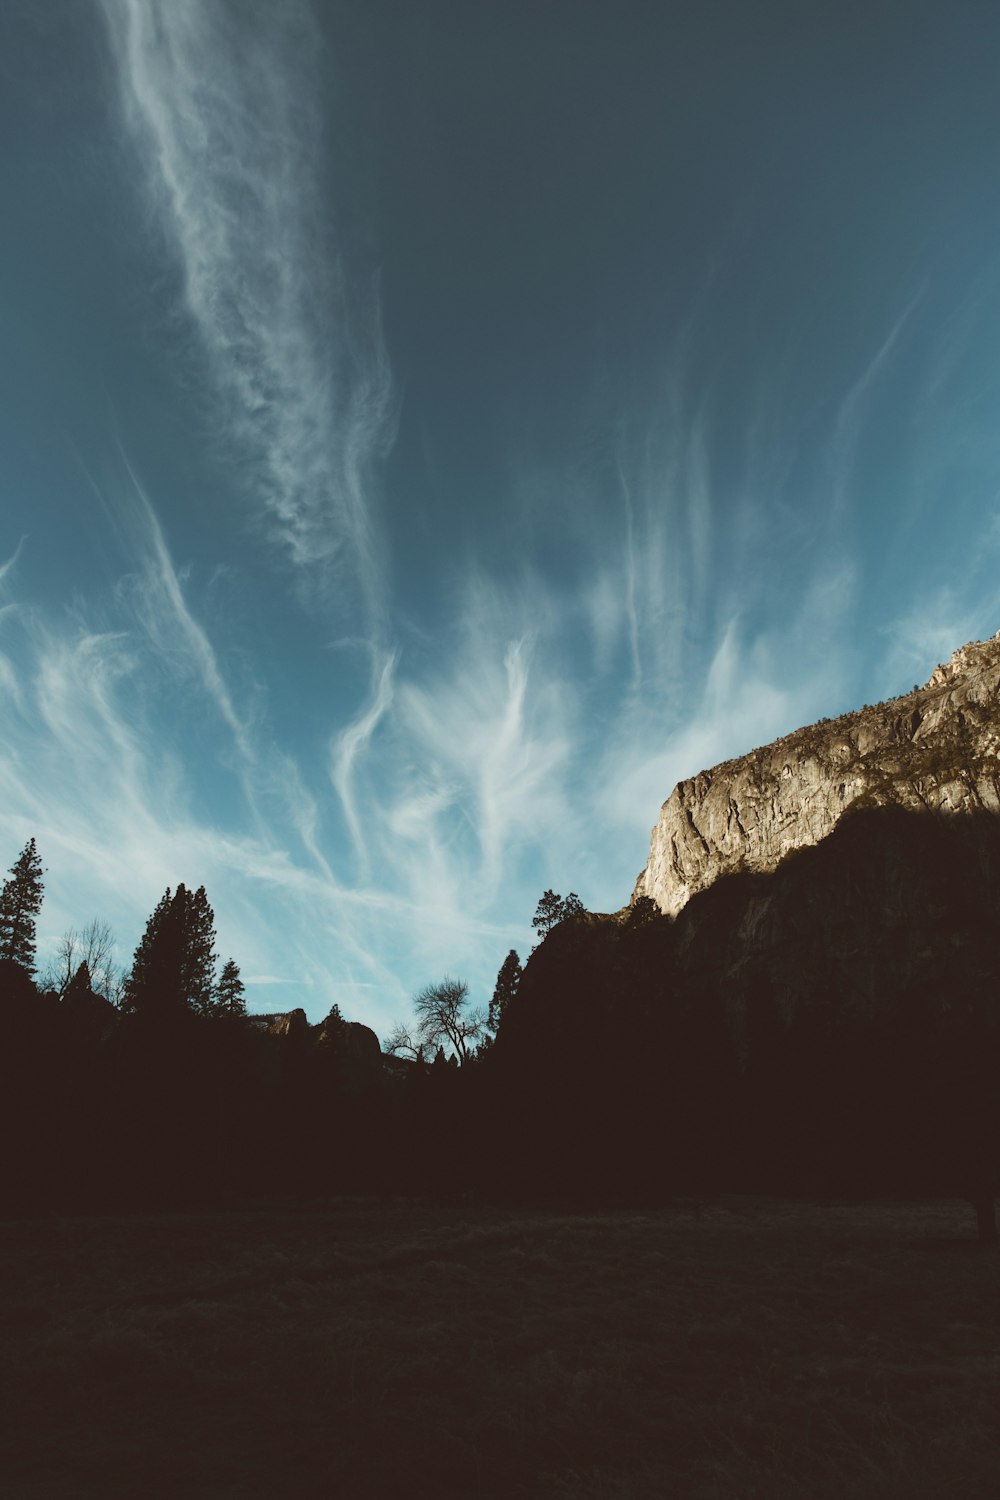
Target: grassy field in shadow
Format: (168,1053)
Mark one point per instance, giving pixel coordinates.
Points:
(723,1350)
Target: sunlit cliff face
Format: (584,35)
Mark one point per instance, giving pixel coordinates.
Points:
(936,749)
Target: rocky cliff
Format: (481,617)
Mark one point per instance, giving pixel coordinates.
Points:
(937,748)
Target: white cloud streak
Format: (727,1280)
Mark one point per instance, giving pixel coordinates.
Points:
(631,609)
(488,738)
(222,100)
(12,561)
(9,684)
(165,614)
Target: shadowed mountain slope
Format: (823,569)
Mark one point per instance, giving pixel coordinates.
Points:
(833,1025)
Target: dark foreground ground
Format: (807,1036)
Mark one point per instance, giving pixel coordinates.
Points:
(721,1351)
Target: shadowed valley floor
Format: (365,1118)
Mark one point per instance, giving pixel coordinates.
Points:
(720,1349)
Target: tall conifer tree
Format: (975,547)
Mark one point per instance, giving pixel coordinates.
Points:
(198,968)
(20,903)
(148,984)
(508,980)
(174,966)
(228,996)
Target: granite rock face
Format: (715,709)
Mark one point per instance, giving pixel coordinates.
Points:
(936,749)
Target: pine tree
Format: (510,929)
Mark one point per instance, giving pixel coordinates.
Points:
(547,913)
(508,980)
(198,970)
(20,903)
(334,1025)
(144,984)
(174,965)
(228,997)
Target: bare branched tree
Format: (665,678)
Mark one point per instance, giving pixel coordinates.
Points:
(442,1017)
(111,984)
(93,946)
(401,1042)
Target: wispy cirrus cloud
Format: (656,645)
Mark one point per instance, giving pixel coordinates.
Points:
(855,410)
(351,743)
(224,110)
(91,769)
(96,765)
(165,614)
(489,733)
(9,683)
(650,550)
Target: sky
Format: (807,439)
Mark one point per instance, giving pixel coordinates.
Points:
(429,432)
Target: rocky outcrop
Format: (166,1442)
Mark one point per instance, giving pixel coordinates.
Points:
(351,1052)
(348,1053)
(936,749)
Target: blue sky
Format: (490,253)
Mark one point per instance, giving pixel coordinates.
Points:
(428,432)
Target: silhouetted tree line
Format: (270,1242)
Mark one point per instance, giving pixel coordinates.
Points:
(833,1027)
(172,1095)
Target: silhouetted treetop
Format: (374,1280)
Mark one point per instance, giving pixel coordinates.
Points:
(228,996)
(173,969)
(553,909)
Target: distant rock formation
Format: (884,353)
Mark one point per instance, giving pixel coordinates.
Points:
(294,1023)
(936,749)
(350,1050)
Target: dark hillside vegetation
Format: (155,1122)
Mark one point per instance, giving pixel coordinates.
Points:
(831,1027)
